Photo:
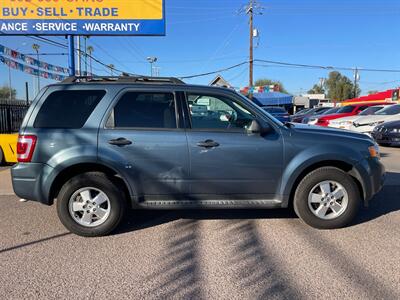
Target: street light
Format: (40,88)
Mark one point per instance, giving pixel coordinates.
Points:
(36,48)
(151,60)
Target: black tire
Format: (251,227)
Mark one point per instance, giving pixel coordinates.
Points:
(1,157)
(384,144)
(305,187)
(101,182)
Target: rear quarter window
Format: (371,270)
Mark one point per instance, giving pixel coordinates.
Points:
(68,109)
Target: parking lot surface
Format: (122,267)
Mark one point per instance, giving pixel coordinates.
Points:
(245,254)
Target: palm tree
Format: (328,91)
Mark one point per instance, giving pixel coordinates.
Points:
(111,66)
(90,50)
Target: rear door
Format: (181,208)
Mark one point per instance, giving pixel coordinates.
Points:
(142,138)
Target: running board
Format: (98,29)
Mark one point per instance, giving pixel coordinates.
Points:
(210,204)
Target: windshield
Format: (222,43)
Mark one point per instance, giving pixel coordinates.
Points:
(303,111)
(259,109)
(275,110)
(370,110)
(346,109)
(331,111)
(390,110)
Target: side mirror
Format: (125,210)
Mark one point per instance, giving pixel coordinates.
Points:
(255,127)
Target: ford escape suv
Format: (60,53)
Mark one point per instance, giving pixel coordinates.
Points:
(99,146)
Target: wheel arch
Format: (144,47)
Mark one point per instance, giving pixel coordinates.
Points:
(340,164)
(67,173)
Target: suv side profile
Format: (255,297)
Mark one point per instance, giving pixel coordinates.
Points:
(103,145)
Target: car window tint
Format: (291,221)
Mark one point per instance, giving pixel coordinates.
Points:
(390,110)
(68,109)
(346,109)
(370,110)
(145,110)
(217,112)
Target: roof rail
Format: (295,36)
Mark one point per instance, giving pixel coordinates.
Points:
(123,79)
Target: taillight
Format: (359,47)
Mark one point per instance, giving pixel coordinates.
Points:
(25,148)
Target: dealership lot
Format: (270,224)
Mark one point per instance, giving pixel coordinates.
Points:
(203,254)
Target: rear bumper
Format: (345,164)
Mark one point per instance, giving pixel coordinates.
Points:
(28,181)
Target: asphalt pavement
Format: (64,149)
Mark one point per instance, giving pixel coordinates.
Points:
(246,254)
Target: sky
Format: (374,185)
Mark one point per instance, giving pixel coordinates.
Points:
(208,35)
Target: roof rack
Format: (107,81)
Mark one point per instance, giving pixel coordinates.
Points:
(122,79)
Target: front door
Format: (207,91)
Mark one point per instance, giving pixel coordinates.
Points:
(143,141)
(225,160)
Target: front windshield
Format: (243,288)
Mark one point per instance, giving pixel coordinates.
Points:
(346,109)
(370,110)
(259,109)
(331,111)
(390,110)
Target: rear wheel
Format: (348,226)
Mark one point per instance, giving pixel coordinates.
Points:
(90,205)
(327,198)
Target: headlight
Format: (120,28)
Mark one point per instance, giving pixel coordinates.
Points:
(374,151)
(395,130)
(343,123)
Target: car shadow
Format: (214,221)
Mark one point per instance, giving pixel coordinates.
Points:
(385,202)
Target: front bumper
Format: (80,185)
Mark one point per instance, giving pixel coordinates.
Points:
(371,174)
(28,180)
(386,138)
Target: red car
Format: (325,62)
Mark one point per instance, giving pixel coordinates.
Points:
(345,111)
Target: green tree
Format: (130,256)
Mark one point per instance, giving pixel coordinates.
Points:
(316,89)
(340,87)
(5,93)
(266,82)
(372,92)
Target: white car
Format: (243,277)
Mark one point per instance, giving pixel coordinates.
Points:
(347,122)
(367,124)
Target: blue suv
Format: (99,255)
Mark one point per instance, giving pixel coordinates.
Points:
(101,145)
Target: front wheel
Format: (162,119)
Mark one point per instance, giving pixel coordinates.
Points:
(90,205)
(327,198)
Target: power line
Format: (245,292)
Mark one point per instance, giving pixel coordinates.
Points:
(214,72)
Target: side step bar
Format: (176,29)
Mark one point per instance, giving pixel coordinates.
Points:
(210,204)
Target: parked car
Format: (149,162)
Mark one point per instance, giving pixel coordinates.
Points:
(347,122)
(102,145)
(345,111)
(311,112)
(387,134)
(367,124)
(279,113)
(312,120)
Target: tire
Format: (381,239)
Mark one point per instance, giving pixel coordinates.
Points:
(1,157)
(87,186)
(384,144)
(330,216)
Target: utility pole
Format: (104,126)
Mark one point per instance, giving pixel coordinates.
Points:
(78,46)
(356,78)
(36,47)
(251,9)
(9,81)
(250,12)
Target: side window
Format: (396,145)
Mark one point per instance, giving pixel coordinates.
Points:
(145,110)
(68,109)
(217,112)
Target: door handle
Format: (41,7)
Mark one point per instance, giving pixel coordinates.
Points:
(120,142)
(208,144)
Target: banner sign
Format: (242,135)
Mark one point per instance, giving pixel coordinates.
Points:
(82,17)
(31,61)
(32,71)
